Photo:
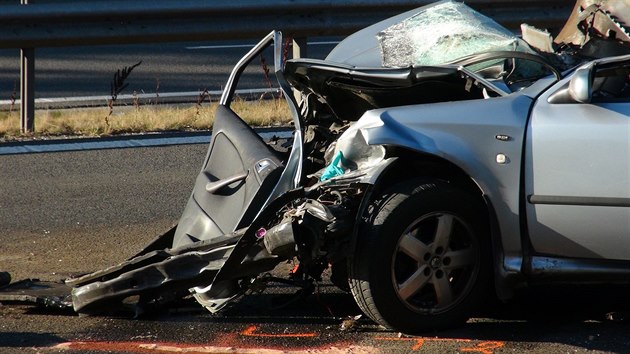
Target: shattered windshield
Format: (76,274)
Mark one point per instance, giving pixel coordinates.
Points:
(443,33)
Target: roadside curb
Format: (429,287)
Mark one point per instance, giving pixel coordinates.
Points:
(120,142)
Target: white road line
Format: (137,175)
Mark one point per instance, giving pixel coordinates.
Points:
(231,46)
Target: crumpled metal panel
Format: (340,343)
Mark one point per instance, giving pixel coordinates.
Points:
(607,19)
(45,294)
(154,276)
(442,33)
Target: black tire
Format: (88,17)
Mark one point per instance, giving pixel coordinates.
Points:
(424,261)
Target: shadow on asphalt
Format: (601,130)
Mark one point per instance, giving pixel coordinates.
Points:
(536,305)
(594,318)
(21,339)
(549,306)
(590,318)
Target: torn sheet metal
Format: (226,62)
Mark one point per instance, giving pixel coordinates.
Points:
(596,29)
(246,260)
(540,39)
(46,294)
(606,19)
(443,33)
(155,276)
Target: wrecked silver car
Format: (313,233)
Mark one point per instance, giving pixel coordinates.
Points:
(435,158)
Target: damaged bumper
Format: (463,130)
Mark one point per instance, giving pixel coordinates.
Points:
(311,223)
(154,277)
(313,229)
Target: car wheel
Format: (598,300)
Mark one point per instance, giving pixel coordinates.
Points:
(423,262)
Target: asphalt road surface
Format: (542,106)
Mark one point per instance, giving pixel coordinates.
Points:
(74,212)
(167,67)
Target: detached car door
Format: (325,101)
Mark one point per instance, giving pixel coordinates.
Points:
(241,173)
(237,177)
(577,168)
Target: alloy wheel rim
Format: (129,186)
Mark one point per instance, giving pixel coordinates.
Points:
(435,263)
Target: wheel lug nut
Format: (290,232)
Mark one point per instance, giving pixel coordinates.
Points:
(439,274)
(427,256)
(427,271)
(446,261)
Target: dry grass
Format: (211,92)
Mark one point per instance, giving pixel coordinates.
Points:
(129,119)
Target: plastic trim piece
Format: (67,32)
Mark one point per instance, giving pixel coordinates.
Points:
(583,201)
(217,186)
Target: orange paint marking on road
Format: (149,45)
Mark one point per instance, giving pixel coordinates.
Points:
(249,332)
(485,347)
(419,341)
(136,347)
(155,348)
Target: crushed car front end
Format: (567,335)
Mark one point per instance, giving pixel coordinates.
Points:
(254,207)
(401,173)
(244,218)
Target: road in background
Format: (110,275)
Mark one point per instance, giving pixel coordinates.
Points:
(166,67)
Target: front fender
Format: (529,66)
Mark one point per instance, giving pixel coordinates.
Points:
(482,138)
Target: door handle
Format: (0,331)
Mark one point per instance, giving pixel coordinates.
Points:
(216,186)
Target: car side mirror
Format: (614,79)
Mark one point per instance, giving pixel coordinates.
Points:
(581,85)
